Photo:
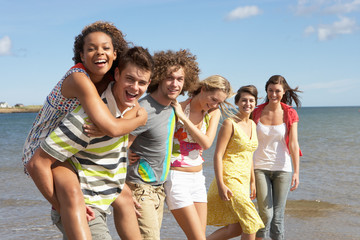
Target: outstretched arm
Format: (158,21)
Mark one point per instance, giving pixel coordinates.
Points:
(204,140)
(223,139)
(80,86)
(294,152)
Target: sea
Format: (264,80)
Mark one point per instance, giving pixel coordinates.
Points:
(325,206)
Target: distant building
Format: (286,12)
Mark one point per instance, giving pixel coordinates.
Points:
(19,105)
(4,105)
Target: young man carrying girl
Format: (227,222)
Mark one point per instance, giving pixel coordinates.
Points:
(100,162)
(96,53)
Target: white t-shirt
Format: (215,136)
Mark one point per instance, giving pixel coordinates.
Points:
(272,153)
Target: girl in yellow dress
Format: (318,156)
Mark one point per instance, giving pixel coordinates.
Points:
(229,196)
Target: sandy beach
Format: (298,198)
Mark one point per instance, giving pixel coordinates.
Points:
(26,109)
(304,219)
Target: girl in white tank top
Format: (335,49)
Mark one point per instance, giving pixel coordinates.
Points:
(272,153)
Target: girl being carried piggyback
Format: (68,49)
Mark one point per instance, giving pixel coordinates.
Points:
(95,55)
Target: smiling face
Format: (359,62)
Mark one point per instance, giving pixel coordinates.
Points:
(170,88)
(275,93)
(246,103)
(130,85)
(211,99)
(98,55)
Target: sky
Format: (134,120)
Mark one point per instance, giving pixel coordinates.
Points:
(314,44)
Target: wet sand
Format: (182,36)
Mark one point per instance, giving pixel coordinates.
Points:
(304,220)
(309,220)
(321,220)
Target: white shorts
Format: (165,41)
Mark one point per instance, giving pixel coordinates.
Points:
(182,189)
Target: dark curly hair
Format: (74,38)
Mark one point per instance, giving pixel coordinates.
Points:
(138,56)
(164,60)
(290,93)
(117,37)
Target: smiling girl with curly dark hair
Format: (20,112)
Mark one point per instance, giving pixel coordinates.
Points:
(96,51)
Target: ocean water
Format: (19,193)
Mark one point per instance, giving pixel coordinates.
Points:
(325,206)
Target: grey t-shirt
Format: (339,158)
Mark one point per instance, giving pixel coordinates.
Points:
(153,143)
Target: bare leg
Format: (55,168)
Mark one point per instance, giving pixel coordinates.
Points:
(227,232)
(201,209)
(245,236)
(124,216)
(71,201)
(190,222)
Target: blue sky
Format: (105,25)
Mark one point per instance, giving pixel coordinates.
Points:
(314,44)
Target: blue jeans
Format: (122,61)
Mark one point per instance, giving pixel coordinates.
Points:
(272,188)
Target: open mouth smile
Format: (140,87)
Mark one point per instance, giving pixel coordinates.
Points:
(100,62)
(131,96)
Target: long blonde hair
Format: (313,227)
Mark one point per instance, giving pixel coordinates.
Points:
(213,83)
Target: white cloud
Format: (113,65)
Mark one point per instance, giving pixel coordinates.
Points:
(326,32)
(309,30)
(306,7)
(5,46)
(243,12)
(344,26)
(341,8)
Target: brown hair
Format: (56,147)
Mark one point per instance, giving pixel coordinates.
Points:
(290,93)
(138,56)
(163,61)
(251,89)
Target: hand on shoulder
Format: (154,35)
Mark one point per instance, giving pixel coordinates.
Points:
(178,109)
(142,114)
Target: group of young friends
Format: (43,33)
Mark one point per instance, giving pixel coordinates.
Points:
(94,145)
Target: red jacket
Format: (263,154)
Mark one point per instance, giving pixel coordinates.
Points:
(290,116)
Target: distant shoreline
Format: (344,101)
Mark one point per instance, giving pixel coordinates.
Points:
(26,109)
(36,108)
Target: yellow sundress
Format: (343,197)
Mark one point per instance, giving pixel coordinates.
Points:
(236,172)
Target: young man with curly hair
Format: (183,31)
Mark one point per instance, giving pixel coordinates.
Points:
(174,73)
